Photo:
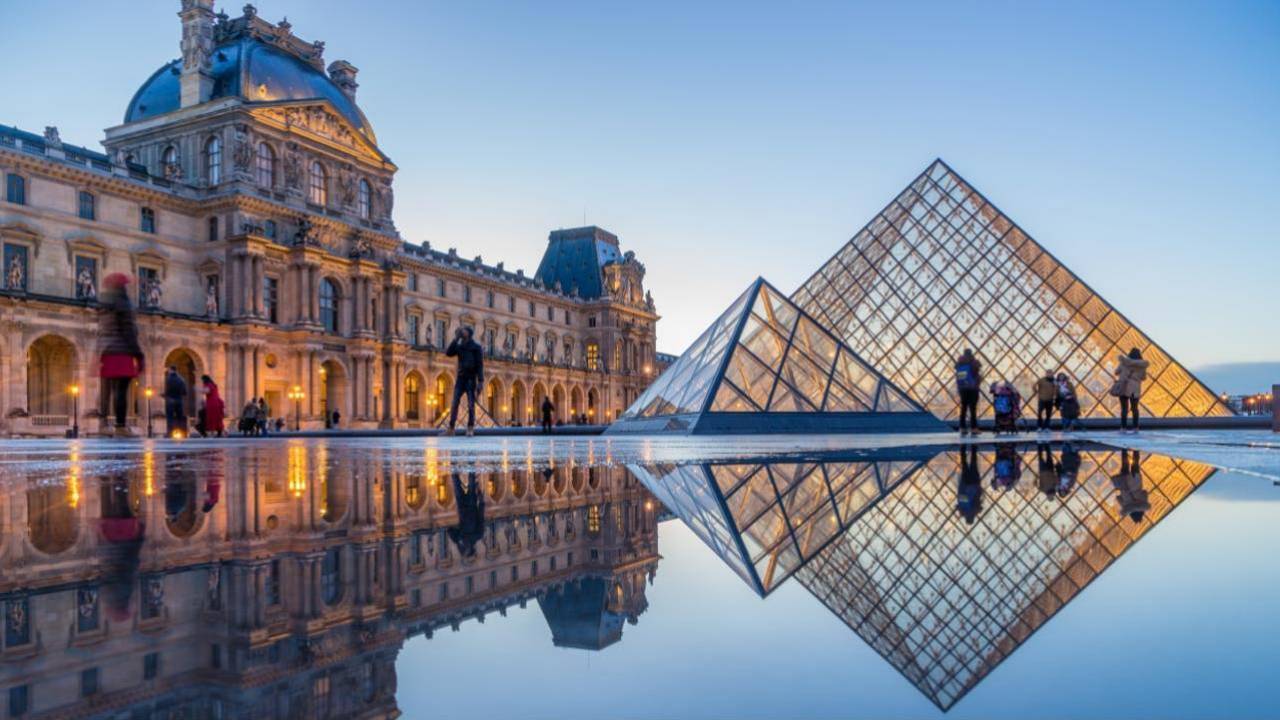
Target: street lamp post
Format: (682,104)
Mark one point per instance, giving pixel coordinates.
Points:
(148,393)
(296,395)
(75,410)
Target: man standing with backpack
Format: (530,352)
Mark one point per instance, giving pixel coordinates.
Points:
(968,383)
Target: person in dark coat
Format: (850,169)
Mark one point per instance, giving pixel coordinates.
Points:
(968,385)
(969,491)
(470,527)
(548,408)
(470,376)
(175,402)
(1133,498)
(122,359)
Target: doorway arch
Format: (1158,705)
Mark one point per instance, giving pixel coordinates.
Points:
(51,363)
(333,392)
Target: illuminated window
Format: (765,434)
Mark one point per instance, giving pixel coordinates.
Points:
(593,519)
(593,356)
(411,393)
(213,161)
(318,193)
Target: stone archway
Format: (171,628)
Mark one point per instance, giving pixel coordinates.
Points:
(538,395)
(494,400)
(520,410)
(333,393)
(414,388)
(51,364)
(189,368)
(575,404)
(557,399)
(593,407)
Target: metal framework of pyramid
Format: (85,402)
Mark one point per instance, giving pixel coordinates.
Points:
(765,366)
(483,418)
(941,269)
(879,542)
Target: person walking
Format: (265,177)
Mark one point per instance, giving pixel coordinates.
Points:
(1131,370)
(264,415)
(470,376)
(175,402)
(213,411)
(968,383)
(547,410)
(1068,404)
(122,359)
(1046,397)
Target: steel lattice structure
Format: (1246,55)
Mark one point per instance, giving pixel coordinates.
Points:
(941,269)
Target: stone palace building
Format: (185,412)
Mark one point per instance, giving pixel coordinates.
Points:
(247,195)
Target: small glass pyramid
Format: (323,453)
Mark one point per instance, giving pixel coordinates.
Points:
(766,366)
(483,418)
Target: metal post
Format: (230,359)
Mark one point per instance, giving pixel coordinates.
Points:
(148,394)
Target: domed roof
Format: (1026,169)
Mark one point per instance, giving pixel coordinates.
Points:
(255,71)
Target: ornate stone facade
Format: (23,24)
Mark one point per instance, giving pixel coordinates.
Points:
(257,218)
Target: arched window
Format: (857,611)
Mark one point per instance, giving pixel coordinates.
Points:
(213,160)
(362,199)
(319,192)
(411,397)
(169,162)
(266,166)
(329,305)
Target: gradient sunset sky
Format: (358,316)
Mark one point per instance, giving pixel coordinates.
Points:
(1139,142)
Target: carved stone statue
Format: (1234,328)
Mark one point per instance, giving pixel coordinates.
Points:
(648,299)
(360,247)
(85,289)
(211,297)
(242,154)
(346,188)
(51,136)
(303,235)
(173,170)
(292,170)
(16,275)
(154,294)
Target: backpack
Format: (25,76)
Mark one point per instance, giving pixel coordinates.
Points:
(1003,404)
(966,375)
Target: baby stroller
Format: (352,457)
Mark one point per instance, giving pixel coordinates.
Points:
(1007,404)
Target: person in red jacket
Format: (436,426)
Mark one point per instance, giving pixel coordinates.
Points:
(122,359)
(211,415)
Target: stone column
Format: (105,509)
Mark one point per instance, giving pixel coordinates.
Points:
(386,392)
(255,265)
(313,294)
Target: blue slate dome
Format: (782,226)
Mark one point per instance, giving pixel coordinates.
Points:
(255,71)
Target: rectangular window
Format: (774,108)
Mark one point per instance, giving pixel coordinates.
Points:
(271,298)
(489,299)
(213,229)
(515,573)
(466,293)
(269,230)
(440,287)
(442,330)
(553,563)
(568,319)
(533,309)
(88,206)
(413,329)
(511,304)
(148,220)
(444,591)
(551,313)
(415,598)
(15,189)
(471,585)
(493,579)
(19,700)
(568,561)
(150,665)
(415,550)
(593,356)
(273,583)
(412,281)
(215,656)
(591,321)
(89,682)
(533,569)
(148,288)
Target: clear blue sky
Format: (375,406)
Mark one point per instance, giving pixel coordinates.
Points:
(721,140)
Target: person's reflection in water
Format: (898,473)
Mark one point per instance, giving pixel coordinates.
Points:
(1068,469)
(122,534)
(1128,483)
(213,487)
(1007,466)
(1047,474)
(969,492)
(470,527)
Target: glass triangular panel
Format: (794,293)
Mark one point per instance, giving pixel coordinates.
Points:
(728,399)
(777,310)
(1003,295)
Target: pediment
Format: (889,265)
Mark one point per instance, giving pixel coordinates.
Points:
(318,120)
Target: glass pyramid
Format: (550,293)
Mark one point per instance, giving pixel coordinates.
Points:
(941,269)
(767,366)
(483,418)
(878,539)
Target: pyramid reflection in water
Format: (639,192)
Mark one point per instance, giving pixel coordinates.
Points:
(941,269)
(945,563)
(766,366)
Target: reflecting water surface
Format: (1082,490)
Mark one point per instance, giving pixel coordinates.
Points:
(334,579)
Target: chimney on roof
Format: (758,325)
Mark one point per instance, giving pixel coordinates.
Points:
(343,74)
(197,51)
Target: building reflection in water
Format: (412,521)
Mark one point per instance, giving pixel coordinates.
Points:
(943,560)
(275,581)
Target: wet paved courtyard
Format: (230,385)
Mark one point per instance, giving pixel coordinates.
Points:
(1101,575)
